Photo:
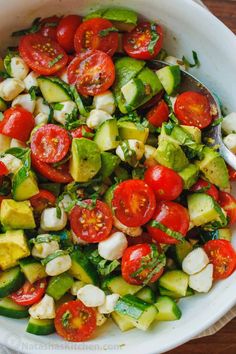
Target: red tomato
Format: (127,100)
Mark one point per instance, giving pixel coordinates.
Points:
(74,321)
(29,294)
(82,131)
(89,36)
(133,203)
(158,114)
(140,264)
(49,27)
(42,200)
(92,71)
(172,216)
(3,169)
(91,223)
(228,203)
(222,255)
(58,174)
(193,108)
(17,123)
(232,174)
(42,54)
(138,42)
(50,143)
(153,101)
(66,31)
(165,182)
(206,187)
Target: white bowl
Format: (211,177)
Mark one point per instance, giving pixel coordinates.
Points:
(188,26)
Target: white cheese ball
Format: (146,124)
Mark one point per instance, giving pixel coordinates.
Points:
(24,101)
(10,88)
(65,202)
(113,247)
(195,261)
(19,69)
(105,102)
(41,118)
(58,265)
(41,107)
(44,249)
(61,114)
(229,123)
(91,296)
(230,142)
(100,319)
(77,240)
(31,80)
(110,303)
(44,309)
(96,118)
(12,163)
(135,146)
(202,281)
(50,221)
(130,231)
(17,143)
(149,151)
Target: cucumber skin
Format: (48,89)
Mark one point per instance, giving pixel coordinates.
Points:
(79,258)
(18,312)
(15,284)
(163,314)
(40,327)
(64,280)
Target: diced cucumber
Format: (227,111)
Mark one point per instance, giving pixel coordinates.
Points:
(129,130)
(151,83)
(107,135)
(10,281)
(173,295)
(53,89)
(82,268)
(168,310)
(40,327)
(146,294)
(133,92)
(170,78)
(118,285)
(59,285)
(122,321)
(3,105)
(139,313)
(9,308)
(182,249)
(32,269)
(176,281)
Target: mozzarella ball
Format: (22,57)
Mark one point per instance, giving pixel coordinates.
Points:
(44,249)
(96,118)
(41,107)
(31,80)
(230,142)
(58,265)
(17,143)
(105,102)
(41,118)
(109,304)
(113,247)
(229,123)
(19,69)
(24,101)
(195,261)
(61,114)
(10,88)
(50,221)
(12,163)
(44,309)
(91,296)
(202,281)
(130,231)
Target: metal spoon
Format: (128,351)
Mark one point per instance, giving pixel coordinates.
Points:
(213,135)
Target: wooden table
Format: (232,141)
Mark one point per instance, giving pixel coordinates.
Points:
(223,342)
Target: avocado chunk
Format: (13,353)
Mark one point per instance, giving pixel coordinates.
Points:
(85,161)
(109,163)
(16,215)
(24,185)
(59,285)
(194,132)
(189,175)
(214,168)
(13,246)
(32,269)
(171,155)
(121,15)
(151,83)
(129,130)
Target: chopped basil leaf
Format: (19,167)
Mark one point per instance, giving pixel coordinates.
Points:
(79,102)
(72,120)
(104,266)
(22,154)
(44,238)
(34,91)
(58,212)
(171,115)
(217,122)
(154,38)
(55,60)
(86,134)
(4,75)
(35,27)
(58,106)
(129,154)
(169,127)
(195,59)
(106,31)
(169,232)
(65,319)
(7,60)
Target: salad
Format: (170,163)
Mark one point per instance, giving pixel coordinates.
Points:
(112,206)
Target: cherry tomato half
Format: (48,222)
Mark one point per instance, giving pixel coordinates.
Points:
(92,223)
(50,143)
(165,182)
(174,217)
(82,132)
(158,114)
(42,200)
(141,265)
(29,294)
(202,186)
(222,255)
(193,108)
(92,71)
(133,203)
(66,32)
(74,321)
(42,54)
(17,123)
(232,174)
(48,27)
(144,41)
(228,203)
(3,169)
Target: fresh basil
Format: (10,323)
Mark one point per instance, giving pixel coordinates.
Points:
(58,106)
(22,154)
(7,60)
(35,27)
(34,92)
(154,38)
(4,75)
(78,101)
(58,253)
(177,235)
(65,319)
(72,121)
(129,154)
(55,60)
(44,238)
(58,212)
(106,31)
(196,62)
(104,266)
(217,122)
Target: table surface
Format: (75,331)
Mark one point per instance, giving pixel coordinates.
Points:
(225,340)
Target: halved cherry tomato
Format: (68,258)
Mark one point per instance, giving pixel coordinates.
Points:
(66,31)
(133,203)
(140,264)
(50,143)
(206,187)
(165,182)
(222,255)
(42,200)
(74,321)
(139,42)
(92,223)
(228,203)
(48,27)
(193,108)
(90,35)
(58,174)
(3,169)
(153,101)
(42,54)
(158,114)
(29,294)
(82,131)
(17,123)
(92,71)
(174,217)
(232,174)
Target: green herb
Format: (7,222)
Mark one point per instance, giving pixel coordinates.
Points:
(106,31)
(7,60)
(72,121)
(44,238)
(195,59)
(104,266)
(22,154)
(80,105)
(58,253)
(138,173)
(65,319)
(86,134)
(129,154)
(58,106)
(55,60)
(177,235)
(58,212)
(169,127)
(217,122)
(88,206)
(34,91)
(154,38)
(35,27)
(4,75)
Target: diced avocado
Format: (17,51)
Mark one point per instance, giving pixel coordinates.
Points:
(16,215)
(122,321)
(171,155)
(121,15)
(133,93)
(189,175)
(169,77)
(85,161)
(167,308)
(195,133)
(176,281)
(24,186)
(225,234)
(32,269)
(13,246)
(109,163)
(107,135)
(129,130)
(182,249)
(59,285)
(151,82)
(214,168)
(5,142)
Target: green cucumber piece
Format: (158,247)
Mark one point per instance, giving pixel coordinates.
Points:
(182,249)
(173,295)
(59,285)
(3,105)
(82,269)
(10,281)
(133,92)
(53,89)
(176,281)
(40,327)
(9,308)
(122,321)
(119,286)
(24,185)
(107,135)
(146,294)
(170,77)
(167,308)
(32,269)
